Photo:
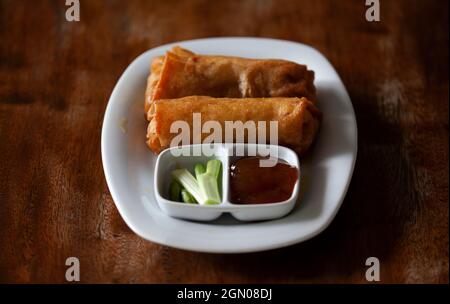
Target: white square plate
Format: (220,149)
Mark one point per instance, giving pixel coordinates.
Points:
(326,172)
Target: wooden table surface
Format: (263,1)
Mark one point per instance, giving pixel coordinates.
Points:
(55,81)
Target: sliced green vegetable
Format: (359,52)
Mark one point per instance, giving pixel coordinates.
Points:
(175,191)
(204,189)
(187,198)
(209,188)
(199,169)
(188,181)
(213,166)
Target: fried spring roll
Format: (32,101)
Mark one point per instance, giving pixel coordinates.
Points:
(298,119)
(182,73)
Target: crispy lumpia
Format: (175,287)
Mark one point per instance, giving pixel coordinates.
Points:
(182,73)
(298,119)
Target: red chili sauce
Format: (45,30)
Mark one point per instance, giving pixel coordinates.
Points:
(252,184)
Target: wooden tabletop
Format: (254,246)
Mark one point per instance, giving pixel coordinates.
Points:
(55,80)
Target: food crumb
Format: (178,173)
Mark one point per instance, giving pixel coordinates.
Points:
(123,125)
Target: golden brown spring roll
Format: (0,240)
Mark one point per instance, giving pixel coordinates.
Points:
(152,80)
(298,119)
(182,73)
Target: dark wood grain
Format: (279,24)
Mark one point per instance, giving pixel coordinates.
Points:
(56,78)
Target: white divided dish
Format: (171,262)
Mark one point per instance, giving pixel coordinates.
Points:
(325,173)
(168,161)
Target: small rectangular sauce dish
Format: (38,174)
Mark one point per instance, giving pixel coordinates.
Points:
(251,185)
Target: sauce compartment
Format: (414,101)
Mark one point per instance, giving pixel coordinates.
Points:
(251,183)
(253,212)
(227,154)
